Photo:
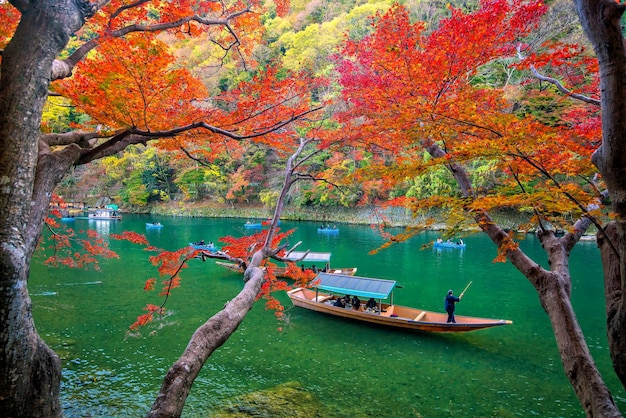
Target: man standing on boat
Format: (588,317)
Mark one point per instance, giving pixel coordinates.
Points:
(449,306)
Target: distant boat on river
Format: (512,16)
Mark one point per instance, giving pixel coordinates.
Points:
(109,212)
(386,314)
(154,225)
(449,244)
(200,245)
(253,225)
(328,230)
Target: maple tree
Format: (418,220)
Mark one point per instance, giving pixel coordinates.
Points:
(122,76)
(409,91)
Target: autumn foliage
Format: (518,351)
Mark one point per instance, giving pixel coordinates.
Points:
(409,90)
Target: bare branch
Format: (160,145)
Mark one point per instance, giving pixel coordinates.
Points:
(558,84)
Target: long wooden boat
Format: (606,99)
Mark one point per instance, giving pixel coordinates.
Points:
(316,261)
(328,230)
(322,294)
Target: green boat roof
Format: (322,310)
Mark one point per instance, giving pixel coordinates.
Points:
(311,256)
(354,285)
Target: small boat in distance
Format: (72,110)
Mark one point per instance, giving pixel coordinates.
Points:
(154,225)
(321,296)
(448,244)
(201,245)
(253,225)
(316,261)
(328,230)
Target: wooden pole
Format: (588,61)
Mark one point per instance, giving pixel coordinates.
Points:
(464,290)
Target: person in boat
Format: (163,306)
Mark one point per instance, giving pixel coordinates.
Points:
(356,303)
(371,304)
(449,305)
(439,240)
(460,241)
(340,303)
(347,301)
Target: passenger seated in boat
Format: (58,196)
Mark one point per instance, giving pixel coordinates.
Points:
(340,303)
(371,304)
(356,303)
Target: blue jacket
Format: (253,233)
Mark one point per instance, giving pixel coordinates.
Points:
(449,302)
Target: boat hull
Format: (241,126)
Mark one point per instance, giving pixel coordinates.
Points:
(407,318)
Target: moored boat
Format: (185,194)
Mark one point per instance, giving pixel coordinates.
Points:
(322,294)
(109,212)
(315,261)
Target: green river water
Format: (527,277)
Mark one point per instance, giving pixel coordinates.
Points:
(355,370)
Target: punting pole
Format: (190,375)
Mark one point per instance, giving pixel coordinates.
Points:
(465,290)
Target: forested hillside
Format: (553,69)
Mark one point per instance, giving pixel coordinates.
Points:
(309,38)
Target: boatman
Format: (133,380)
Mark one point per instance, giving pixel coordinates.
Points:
(449,306)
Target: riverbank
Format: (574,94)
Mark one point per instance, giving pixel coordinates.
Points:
(388,216)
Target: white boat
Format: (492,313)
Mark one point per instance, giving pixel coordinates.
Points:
(109,212)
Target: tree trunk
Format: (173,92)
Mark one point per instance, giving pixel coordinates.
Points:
(207,338)
(30,373)
(601,21)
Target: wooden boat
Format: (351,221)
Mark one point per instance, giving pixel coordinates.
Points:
(322,294)
(316,261)
(200,245)
(154,225)
(445,244)
(328,230)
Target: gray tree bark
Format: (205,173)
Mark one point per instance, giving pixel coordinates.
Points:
(30,373)
(554,290)
(601,21)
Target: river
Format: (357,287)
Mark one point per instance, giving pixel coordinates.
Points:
(355,370)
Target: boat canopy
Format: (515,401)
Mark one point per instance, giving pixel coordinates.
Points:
(353,285)
(311,256)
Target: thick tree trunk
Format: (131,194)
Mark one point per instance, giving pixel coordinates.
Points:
(613,293)
(30,372)
(207,338)
(553,288)
(601,21)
